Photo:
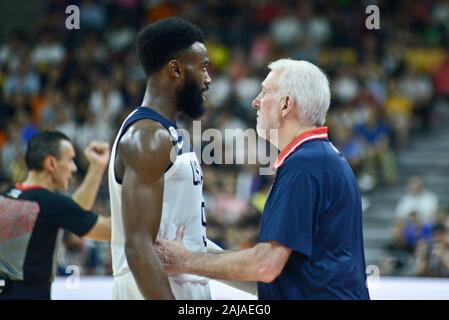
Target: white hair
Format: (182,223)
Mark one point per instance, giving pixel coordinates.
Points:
(308,86)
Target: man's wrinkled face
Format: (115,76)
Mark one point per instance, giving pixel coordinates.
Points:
(191,96)
(268,104)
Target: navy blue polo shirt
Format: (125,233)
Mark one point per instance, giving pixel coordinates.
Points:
(314,208)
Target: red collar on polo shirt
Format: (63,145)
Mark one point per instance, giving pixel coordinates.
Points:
(27,187)
(316,133)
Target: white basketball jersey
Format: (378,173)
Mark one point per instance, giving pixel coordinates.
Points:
(183,204)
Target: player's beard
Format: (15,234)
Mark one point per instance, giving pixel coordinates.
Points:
(190,98)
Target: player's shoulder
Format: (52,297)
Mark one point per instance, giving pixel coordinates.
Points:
(45,198)
(145,135)
(312,156)
(54,198)
(145,141)
(15,192)
(308,153)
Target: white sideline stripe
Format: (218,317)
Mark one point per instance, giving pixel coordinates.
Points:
(388,288)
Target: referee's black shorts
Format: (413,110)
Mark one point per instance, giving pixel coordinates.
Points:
(21,290)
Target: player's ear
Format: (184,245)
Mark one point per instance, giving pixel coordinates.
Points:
(287,105)
(175,68)
(49,164)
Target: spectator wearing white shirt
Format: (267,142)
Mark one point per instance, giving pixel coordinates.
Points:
(24,80)
(106,102)
(48,51)
(419,200)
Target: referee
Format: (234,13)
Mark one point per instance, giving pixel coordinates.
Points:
(33,212)
(310,243)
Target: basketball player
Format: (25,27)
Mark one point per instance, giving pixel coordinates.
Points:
(155,180)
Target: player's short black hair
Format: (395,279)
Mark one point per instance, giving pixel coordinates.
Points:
(159,42)
(41,145)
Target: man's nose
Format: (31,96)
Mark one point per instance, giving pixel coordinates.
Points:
(255,104)
(207,79)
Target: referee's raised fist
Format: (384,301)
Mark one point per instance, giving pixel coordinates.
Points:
(97,153)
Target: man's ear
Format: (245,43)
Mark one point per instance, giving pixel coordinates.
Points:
(287,105)
(49,164)
(175,68)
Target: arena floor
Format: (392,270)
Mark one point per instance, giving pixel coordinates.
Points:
(387,288)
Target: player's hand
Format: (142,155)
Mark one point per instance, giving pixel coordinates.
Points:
(97,153)
(173,254)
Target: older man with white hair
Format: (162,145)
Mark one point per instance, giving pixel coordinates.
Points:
(310,244)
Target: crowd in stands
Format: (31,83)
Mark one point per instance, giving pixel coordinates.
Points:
(419,243)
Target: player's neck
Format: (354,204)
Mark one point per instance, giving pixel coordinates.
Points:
(41,179)
(162,101)
(288,133)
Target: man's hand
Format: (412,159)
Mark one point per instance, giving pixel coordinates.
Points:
(97,153)
(173,254)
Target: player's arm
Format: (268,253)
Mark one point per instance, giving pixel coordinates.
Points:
(144,152)
(97,153)
(70,216)
(101,231)
(263,262)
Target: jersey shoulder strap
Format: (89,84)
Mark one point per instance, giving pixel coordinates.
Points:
(146,113)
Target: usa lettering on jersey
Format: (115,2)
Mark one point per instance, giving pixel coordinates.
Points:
(197,173)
